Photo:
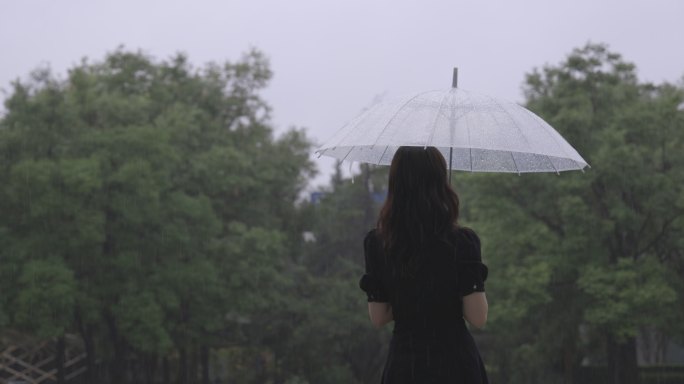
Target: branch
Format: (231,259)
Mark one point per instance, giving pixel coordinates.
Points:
(553,226)
(657,238)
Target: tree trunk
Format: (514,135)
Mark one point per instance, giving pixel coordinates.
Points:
(150,368)
(622,361)
(166,372)
(204,361)
(60,358)
(182,365)
(86,332)
(137,365)
(277,379)
(89,343)
(661,347)
(568,364)
(503,374)
(117,366)
(194,365)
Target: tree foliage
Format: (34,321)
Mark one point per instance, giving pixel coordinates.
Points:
(147,206)
(582,261)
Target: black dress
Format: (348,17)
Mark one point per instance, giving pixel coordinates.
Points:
(430,342)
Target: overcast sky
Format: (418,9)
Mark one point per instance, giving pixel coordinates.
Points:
(332,58)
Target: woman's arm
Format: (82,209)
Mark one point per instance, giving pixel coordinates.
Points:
(475,309)
(380,313)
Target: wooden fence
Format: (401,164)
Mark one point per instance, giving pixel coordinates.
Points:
(37,364)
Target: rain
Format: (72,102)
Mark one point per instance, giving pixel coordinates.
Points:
(186,188)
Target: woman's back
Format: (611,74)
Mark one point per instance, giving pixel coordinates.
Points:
(430,340)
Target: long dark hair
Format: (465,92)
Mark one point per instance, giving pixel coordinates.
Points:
(420,205)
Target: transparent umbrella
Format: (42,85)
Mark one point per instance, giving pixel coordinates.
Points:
(477,133)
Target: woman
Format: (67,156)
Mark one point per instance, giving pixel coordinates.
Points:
(425,273)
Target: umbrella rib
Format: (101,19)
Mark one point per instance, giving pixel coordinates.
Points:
(514,163)
(434,122)
(553,166)
(529,146)
(350,151)
(354,125)
(470,144)
(538,120)
(357,121)
(383,155)
(395,115)
(580,165)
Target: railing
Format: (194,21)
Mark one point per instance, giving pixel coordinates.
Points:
(655,374)
(37,365)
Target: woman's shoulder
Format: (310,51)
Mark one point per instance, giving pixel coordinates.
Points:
(371,236)
(467,234)
(372,240)
(467,240)
(372,246)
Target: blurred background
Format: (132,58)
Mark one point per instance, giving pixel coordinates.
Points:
(163,220)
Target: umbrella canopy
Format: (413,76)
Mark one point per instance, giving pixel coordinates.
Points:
(476,132)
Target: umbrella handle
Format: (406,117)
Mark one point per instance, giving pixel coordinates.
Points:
(451,152)
(454,84)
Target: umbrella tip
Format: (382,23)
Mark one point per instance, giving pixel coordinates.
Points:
(454,81)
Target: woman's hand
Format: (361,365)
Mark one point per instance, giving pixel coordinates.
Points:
(475,309)
(380,313)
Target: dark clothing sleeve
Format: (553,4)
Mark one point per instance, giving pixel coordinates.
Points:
(472,273)
(371,282)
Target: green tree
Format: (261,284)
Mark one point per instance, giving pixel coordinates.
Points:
(585,259)
(160,198)
(336,342)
